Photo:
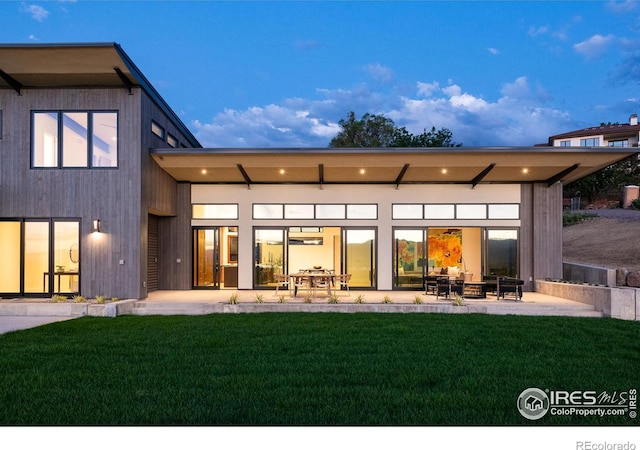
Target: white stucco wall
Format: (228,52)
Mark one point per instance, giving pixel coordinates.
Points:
(383,195)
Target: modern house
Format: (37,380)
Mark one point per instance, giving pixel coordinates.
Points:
(103,190)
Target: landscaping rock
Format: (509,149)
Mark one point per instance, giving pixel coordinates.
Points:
(633,279)
(621,277)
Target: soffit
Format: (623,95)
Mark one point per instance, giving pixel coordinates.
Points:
(64,65)
(386,166)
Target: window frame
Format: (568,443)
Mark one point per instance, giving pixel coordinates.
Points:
(59,136)
(158,130)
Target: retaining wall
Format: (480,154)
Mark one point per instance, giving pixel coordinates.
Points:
(617,302)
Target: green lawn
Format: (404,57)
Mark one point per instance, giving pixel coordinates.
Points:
(425,369)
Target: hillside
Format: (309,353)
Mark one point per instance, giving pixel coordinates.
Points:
(610,240)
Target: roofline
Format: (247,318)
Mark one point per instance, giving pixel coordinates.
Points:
(155,95)
(144,82)
(389,150)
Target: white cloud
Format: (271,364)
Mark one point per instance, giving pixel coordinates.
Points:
(537,31)
(622,6)
(518,116)
(594,46)
(427,89)
(379,72)
(37,12)
(493,51)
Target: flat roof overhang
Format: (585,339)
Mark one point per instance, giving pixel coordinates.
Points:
(90,65)
(393,166)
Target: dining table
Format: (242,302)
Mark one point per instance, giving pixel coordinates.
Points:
(314,279)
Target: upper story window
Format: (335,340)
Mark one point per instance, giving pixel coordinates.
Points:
(590,142)
(157,130)
(565,143)
(619,143)
(172,141)
(62,139)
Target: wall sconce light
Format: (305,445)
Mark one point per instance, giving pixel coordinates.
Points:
(96,225)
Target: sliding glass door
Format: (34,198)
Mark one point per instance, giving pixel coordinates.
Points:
(409,258)
(40,257)
(359,246)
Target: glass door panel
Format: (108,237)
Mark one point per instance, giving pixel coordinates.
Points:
(66,257)
(269,256)
(37,277)
(360,256)
(206,258)
(502,253)
(408,258)
(10,261)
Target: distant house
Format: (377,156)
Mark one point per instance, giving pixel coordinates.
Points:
(103,190)
(616,135)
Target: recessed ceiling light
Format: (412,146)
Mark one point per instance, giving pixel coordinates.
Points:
(362,171)
(281,171)
(203,171)
(525,171)
(444,171)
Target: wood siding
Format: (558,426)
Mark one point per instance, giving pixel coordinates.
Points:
(541,232)
(113,262)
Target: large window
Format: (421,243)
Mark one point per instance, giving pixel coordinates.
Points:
(502,252)
(590,142)
(66,139)
(40,257)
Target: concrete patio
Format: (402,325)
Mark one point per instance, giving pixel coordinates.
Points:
(16,314)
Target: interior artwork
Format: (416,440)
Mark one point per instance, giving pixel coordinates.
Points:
(445,247)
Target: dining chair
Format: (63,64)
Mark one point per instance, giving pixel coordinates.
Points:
(342,281)
(300,282)
(282,281)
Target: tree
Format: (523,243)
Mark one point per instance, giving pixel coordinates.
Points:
(376,130)
(609,181)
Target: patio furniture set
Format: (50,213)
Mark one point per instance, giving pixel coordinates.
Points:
(501,287)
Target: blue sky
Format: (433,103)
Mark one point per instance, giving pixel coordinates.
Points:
(281,74)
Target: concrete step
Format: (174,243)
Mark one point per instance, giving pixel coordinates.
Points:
(143,308)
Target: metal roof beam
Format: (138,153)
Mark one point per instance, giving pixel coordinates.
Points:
(478,178)
(15,84)
(126,81)
(401,175)
(560,175)
(245,175)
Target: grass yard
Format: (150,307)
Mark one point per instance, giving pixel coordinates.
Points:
(324,369)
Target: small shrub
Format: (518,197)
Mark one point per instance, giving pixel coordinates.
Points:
(79,299)
(281,298)
(101,299)
(417,300)
(573,218)
(58,298)
(233,299)
(334,299)
(360,299)
(387,299)
(114,299)
(259,298)
(308,299)
(457,301)
(636,204)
